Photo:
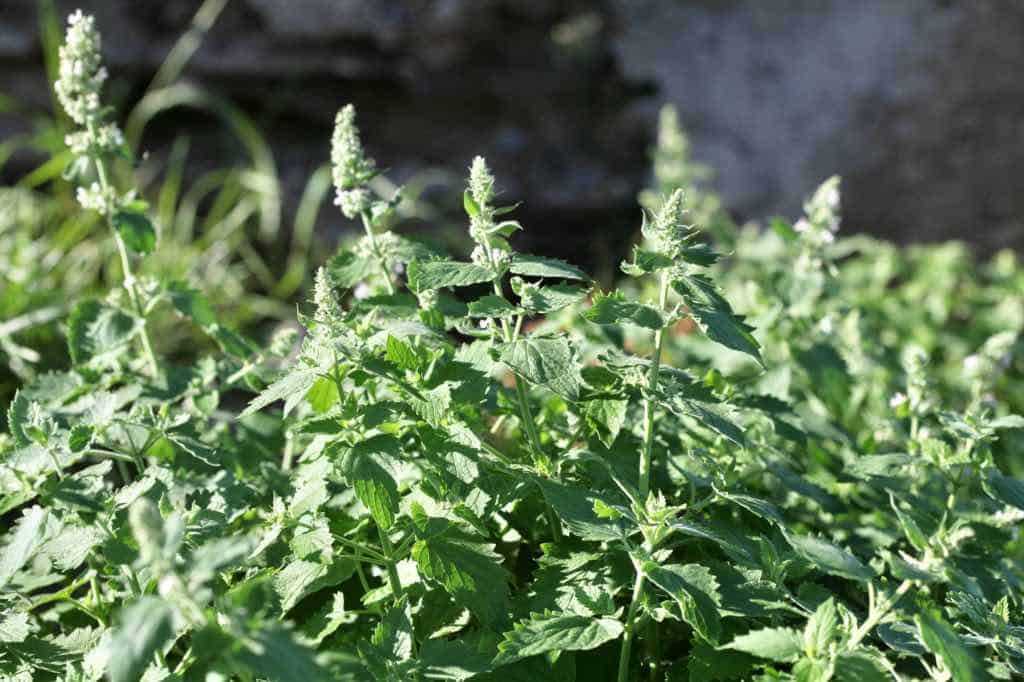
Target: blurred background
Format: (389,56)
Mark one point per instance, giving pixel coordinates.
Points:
(918,104)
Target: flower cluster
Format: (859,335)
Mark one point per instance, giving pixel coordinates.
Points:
(351,167)
(821,222)
(666,229)
(78,88)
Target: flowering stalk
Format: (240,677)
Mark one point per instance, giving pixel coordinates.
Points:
(352,171)
(78,88)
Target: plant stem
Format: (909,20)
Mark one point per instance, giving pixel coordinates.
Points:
(881,608)
(627,639)
(126,270)
(393,580)
(652,386)
(368,226)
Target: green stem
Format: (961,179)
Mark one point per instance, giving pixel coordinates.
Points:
(126,270)
(393,580)
(652,386)
(627,639)
(877,613)
(653,651)
(368,226)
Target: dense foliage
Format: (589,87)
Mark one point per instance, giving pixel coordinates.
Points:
(492,469)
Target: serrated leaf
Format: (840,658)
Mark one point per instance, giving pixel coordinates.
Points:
(545,361)
(606,418)
(14,626)
(756,506)
(28,534)
(273,653)
(145,627)
(442,659)
(829,558)
(136,230)
(715,316)
(470,572)
(18,418)
(940,639)
(427,275)
(301,578)
(776,644)
(1003,488)
(373,484)
(401,353)
(538,266)
(96,330)
(695,589)
(547,299)
(491,306)
(821,628)
(613,308)
(575,506)
(295,383)
(860,666)
(555,632)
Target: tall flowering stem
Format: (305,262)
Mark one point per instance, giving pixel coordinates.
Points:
(78,88)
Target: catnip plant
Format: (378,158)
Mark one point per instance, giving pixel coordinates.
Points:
(770,465)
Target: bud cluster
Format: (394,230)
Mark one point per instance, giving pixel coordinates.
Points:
(666,229)
(821,222)
(352,169)
(78,87)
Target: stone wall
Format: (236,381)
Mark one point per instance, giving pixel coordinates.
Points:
(917,103)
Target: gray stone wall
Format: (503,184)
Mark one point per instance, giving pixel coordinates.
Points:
(917,103)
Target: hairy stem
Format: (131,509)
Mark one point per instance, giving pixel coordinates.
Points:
(126,269)
(881,608)
(393,580)
(368,226)
(627,638)
(652,386)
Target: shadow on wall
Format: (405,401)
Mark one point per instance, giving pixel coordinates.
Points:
(918,104)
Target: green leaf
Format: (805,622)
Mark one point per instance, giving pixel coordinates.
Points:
(273,653)
(469,571)
(830,558)
(373,484)
(96,330)
(860,666)
(715,316)
(292,385)
(606,418)
(555,632)
(18,418)
(545,361)
(645,262)
(302,577)
(136,230)
(14,626)
(822,627)
(547,299)
(442,659)
(940,639)
(776,644)
(491,306)
(1003,488)
(29,533)
(756,506)
(695,589)
(575,506)
(613,308)
(427,275)
(401,353)
(146,626)
(538,266)
(468,203)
